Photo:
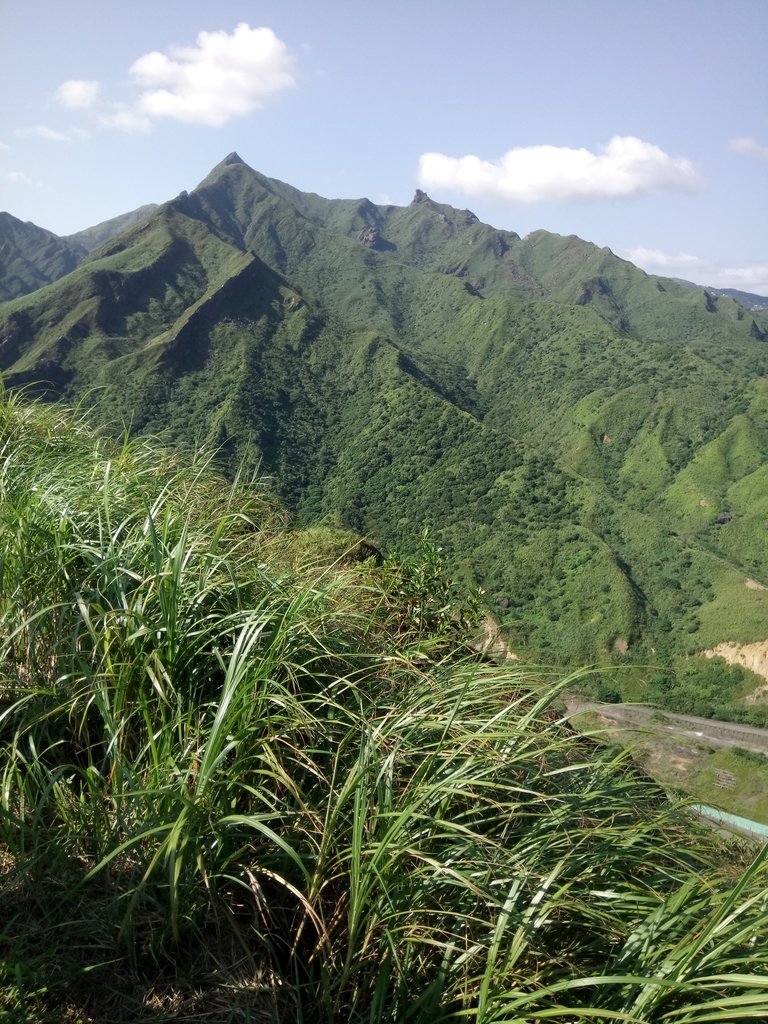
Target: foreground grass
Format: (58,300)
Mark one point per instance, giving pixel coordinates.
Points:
(244,780)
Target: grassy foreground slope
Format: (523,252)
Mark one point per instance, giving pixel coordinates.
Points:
(249,775)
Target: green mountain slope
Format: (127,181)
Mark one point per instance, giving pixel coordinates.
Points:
(587,443)
(31,257)
(91,238)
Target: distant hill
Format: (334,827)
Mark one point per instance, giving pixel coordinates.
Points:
(745,298)
(589,444)
(748,299)
(92,238)
(31,257)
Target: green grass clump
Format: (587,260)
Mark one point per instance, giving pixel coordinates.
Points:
(247,776)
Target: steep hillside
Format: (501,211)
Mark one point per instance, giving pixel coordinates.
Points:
(587,443)
(31,257)
(250,773)
(91,238)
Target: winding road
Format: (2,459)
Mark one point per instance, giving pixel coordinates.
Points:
(708,730)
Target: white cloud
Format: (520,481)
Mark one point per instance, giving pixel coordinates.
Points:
(654,260)
(223,76)
(4,147)
(626,167)
(748,145)
(42,131)
(750,278)
(705,272)
(78,93)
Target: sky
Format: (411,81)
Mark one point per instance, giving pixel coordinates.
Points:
(638,126)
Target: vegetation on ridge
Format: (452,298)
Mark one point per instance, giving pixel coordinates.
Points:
(243,782)
(586,443)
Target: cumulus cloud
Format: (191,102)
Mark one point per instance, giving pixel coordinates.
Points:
(749,145)
(625,167)
(223,76)
(78,93)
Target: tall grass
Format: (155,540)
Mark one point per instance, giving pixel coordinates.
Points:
(241,782)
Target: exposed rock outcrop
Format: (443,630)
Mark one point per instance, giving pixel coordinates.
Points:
(751,656)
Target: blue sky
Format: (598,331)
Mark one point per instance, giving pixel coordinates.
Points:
(643,127)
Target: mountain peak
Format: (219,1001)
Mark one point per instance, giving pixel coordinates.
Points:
(233,158)
(233,163)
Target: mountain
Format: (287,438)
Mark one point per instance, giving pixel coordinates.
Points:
(31,257)
(748,299)
(586,442)
(91,238)
(755,303)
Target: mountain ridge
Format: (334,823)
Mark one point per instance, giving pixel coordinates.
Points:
(31,256)
(92,237)
(568,427)
(751,300)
